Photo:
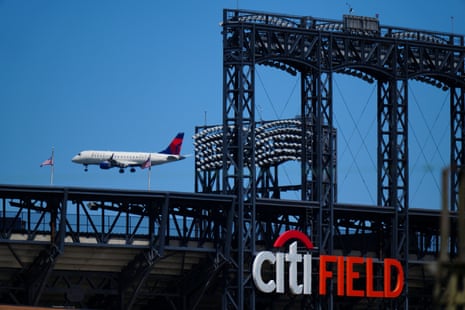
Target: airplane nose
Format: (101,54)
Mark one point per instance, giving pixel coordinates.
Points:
(75,159)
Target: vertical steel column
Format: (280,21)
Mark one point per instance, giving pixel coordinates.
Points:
(239,159)
(317,168)
(457,139)
(308,113)
(267,182)
(38,273)
(393,165)
(134,275)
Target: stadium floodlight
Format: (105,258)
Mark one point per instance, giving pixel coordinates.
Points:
(332,27)
(276,142)
(432,81)
(208,148)
(274,20)
(357,73)
(419,36)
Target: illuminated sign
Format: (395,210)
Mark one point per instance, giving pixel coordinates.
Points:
(347,270)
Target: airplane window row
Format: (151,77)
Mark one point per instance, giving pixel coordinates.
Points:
(118,156)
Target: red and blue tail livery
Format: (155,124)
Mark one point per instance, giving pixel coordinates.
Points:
(122,160)
(175,146)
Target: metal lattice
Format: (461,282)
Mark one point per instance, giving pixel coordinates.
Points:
(317,48)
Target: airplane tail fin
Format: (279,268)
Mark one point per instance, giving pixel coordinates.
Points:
(175,146)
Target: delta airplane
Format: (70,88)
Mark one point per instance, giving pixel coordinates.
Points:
(122,160)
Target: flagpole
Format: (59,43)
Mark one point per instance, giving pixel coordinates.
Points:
(52,168)
(148,164)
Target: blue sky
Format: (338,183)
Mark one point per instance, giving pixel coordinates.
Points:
(129,75)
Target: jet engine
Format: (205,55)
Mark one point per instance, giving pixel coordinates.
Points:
(105,165)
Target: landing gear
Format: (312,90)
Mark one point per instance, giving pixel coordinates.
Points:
(86,168)
(133,170)
(121,170)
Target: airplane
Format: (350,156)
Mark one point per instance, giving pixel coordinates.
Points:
(122,160)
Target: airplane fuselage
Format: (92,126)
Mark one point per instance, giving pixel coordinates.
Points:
(123,159)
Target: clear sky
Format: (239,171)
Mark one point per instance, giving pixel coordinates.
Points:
(129,75)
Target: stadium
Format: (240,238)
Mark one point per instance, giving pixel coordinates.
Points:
(238,242)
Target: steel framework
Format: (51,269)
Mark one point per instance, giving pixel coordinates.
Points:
(113,240)
(107,249)
(113,249)
(315,49)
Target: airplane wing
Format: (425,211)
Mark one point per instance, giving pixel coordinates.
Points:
(124,163)
(121,163)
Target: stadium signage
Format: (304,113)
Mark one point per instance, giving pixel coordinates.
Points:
(343,269)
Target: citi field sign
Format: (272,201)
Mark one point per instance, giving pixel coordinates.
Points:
(345,270)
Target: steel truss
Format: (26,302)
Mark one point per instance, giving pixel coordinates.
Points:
(239,175)
(393,164)
(131,249)
(126,249)
(318,48)
(155,226)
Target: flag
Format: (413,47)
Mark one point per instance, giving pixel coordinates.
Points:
(147,163)
(47,162)
(50,162)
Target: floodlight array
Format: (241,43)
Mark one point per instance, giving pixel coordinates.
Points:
(268,19)
(333,27)
(353,24)
(282,66)
(275,143)
(208,146)
(418,36)
(432,81)
(357,73)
